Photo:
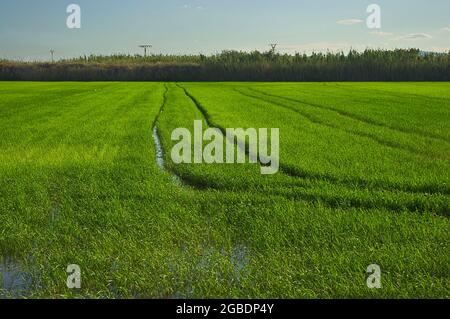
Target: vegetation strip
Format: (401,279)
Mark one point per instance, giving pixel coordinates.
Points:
(370,65)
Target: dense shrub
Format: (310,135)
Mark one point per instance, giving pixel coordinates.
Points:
(370,65)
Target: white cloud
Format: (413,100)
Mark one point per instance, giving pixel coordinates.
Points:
(415,36)
(350,21)
(445,29)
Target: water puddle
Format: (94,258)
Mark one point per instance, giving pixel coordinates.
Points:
(239,258)
(160,157)
(159,151)
(14,281)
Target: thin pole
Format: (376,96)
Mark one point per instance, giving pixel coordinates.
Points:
(145,47)
(273,46)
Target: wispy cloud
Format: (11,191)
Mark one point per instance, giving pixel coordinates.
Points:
(382,34)
(445,29)
(189,6)
(320,47)
(415,36)
(350,21)
(438,49)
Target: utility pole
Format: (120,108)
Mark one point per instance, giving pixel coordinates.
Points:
(273,46)
(52,52)
(145,47)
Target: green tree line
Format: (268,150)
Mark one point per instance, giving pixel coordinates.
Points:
(369,65)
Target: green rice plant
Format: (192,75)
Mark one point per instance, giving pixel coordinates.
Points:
(80,184)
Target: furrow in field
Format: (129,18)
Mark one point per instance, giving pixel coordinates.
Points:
(362,183)
(310,192)
(359,182)
(157,141)
(201,109)
(373,137)
(371,200)
(358,117)
(207,120)
(160,154)
(393,94)
(353,193)
(295,172)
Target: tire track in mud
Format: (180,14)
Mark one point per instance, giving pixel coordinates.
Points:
(372,137)
(358,117)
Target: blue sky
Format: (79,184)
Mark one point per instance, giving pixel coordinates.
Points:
(29,28)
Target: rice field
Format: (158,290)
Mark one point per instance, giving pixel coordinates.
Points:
(86,178)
